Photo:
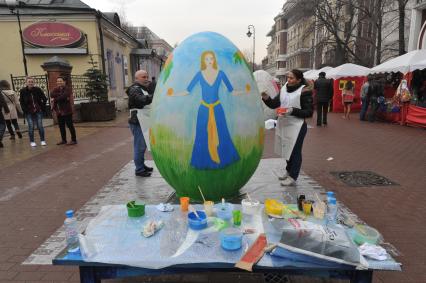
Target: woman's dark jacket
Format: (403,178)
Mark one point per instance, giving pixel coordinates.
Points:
(3,105)
(32,100)
(306,101)
(61,101)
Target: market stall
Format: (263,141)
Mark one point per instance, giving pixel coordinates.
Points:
(412,68)
(341,75)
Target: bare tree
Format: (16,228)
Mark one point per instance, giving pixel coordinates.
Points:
(378,13)
(401,9)
(339,19)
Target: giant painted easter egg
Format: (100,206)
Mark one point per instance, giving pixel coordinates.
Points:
(207,126)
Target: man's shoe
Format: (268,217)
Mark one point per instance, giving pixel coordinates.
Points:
(43,143)
(289,181)
(12,137)
(33,144)
(148,169)
(1,145)
(61,143)
(72,143)
(143,174)
(19,134)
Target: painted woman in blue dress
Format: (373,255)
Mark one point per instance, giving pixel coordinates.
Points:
(213,146)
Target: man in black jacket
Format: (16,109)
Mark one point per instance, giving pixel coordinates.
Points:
(324,89)
(140,95)
(33,104)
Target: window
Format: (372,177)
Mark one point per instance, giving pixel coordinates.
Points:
(111,72)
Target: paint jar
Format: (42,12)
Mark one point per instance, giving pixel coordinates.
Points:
(274,207)
(307,207)
(224,211)
(300,200)
(250,207)
(319,209)
(236,217)
(184,203)
(231,239)
(208,207)
(197,223)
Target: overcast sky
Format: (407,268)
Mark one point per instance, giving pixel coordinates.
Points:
(174,20)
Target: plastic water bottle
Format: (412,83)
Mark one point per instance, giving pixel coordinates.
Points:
(71,232)
(332,211)
(330,195)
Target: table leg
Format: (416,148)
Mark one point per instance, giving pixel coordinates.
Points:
(88,275)
(362,276)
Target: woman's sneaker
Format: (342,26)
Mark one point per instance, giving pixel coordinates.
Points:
(43,143)
(33,144)
(289,181)
(283,176)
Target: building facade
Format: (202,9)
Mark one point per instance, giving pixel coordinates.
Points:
(75,32)
(417,35)
(156,53)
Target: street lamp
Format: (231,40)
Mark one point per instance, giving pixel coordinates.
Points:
(13,4)
(249,33)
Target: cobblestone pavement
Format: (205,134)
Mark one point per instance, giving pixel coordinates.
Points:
(36,187)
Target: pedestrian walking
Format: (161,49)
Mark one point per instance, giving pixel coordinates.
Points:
(324,93)
(61,104)
(3,106)
(365,100)
(33,104)
(296,99)
(347,99)
(12,101)
(140,94)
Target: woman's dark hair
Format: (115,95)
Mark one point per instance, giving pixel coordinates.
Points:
(349,85)
(299,75)
(4,84)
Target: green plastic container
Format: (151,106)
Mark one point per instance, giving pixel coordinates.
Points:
(135,209)
(365,234)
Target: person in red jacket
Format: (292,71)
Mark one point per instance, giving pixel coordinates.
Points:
(61,105)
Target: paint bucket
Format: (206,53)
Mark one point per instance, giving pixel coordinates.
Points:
(135,209)
(224,211)
(250,207)
(231,239)
(197,223)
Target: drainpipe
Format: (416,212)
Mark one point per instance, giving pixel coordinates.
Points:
(101,36)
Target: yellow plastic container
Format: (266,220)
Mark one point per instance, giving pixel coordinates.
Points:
(274,207)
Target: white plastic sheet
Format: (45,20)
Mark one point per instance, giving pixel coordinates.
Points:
(113,237)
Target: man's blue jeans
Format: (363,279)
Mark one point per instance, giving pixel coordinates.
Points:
(139,147)
(38,117)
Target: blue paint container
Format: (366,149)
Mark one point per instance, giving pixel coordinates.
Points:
(196,223)
(224,211)
(231,239)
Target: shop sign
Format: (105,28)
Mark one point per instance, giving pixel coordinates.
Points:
(52,34)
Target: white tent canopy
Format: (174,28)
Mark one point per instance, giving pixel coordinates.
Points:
(347,70)
(313,74)
(413,60)
(419,65)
